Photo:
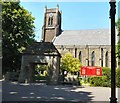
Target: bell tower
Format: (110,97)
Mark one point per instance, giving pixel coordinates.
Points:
(52,24)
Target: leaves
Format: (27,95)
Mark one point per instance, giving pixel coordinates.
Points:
(118,45)
(70,63)
(118,26)
(17,33)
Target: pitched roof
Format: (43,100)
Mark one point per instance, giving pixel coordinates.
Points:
(84,37)
(42,48)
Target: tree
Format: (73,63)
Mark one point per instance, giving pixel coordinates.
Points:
(70,64)
(17,33)
(118,45)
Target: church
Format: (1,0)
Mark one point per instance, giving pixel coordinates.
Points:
(92,47)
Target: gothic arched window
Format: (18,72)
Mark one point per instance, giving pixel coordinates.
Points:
(101,57)
(50,20)
(106,59)
(93,59)
(80,57)
(75,52)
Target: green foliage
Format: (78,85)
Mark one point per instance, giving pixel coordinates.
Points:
(96,81)
(118,45)
(118,26)
(17,33)
(104,81)
(107,73)
(118,55)
(70,64)
(118,77)
(41,68)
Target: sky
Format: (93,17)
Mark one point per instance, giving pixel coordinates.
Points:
(75,15)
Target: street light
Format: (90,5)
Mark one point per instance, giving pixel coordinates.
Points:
(113,98)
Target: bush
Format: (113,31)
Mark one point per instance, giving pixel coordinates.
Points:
(106,78)
(118,77)
(104,81)
(95,81)
(106,72)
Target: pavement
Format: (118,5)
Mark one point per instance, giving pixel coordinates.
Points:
(37,92)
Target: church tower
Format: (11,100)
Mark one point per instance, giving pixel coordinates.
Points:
(52,24)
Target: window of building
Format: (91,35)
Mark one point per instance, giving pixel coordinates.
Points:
(106,59)
(101,57)
(69,49)
(93,59)
(50,20)
(62,47)
(88,62)
(75,52)
(80,57)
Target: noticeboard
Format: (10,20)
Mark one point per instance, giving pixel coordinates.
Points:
(91,71)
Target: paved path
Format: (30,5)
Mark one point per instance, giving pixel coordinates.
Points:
(12,91)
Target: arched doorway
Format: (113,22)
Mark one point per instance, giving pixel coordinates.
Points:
(40,53)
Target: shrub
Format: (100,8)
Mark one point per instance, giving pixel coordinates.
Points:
(106,84)
(104,81)
(95,81)
(106,78)
(118,77)
(106,72)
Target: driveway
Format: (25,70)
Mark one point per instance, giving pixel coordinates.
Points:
(13,91)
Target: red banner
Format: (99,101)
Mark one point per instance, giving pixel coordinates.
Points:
(91,71)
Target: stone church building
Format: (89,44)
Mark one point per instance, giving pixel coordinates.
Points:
(92,47)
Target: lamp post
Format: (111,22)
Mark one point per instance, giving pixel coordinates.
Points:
(113,98)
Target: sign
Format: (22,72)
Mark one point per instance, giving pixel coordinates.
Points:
(91,71)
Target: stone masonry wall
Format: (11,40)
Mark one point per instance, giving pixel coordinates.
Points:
(87,53)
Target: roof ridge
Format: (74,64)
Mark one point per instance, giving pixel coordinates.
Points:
(83,37)
(88,29)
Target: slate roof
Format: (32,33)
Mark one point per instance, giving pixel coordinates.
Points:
(84,37)
(42,48)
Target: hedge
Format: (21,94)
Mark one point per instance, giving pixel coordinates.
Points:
(118,77)
(105,80)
